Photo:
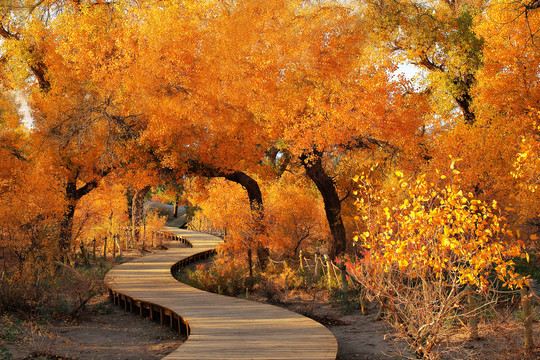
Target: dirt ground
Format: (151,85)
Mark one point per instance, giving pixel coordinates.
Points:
(112,333)
(108,332)
(361,337)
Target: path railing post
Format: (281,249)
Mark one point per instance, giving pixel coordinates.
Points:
(328,270)
(316,270)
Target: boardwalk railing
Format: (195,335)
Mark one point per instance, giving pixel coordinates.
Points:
(216,327)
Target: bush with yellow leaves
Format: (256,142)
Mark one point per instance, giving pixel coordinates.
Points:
(426,254)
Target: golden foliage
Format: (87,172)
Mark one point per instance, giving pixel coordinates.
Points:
(438,231)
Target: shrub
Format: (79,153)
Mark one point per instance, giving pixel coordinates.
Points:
(223,276)
(428,254)
(49,289)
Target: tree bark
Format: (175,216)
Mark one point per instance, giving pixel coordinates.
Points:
(464,102)
(72,195)
(175,213)
(254,195)
(137,212)
(312,163)
(239,177)
(66,230)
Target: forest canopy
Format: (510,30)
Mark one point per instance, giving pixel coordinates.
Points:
(285,125)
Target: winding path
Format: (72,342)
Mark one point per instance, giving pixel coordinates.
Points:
(217,327)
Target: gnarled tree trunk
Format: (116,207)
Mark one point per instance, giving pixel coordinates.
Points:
(312,163)
(72,195)
(254,195)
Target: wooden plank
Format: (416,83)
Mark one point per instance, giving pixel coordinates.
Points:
(219,327)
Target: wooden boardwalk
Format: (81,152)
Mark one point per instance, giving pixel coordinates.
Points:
(218,327)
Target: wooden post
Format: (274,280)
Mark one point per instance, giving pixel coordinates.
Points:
(527,318)
(328,270)
(473,320)
(316,271)
(84,253)
(301,261)
(344,283)
(94,248)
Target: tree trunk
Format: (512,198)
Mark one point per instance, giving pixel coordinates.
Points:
(332,204)
(254,195)
(72,195)
(66,230)
(257,211)
(137,213)
(175,214)
(464,103)
(464,100)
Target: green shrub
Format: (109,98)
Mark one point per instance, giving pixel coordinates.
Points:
(348,302)
(10,328)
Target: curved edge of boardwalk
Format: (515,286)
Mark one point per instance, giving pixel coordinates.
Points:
(219,327)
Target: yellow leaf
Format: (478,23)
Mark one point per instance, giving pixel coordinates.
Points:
(399,174)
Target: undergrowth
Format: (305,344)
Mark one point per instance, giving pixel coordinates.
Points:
(45,291)
(531,267)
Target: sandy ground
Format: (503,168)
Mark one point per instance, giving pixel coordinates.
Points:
(360,337)
(113,334)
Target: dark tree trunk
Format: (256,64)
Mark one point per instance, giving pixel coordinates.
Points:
(254,195)
(73,195)
(332,204)
(175,213)
(66,231)
(464,100)
(137,212)
(464,103)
